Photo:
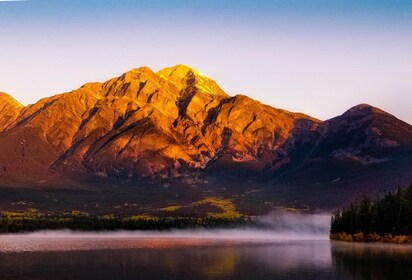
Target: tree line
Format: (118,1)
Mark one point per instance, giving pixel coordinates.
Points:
(391,215)
(29,223)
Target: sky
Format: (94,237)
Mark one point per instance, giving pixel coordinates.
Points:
(319,57)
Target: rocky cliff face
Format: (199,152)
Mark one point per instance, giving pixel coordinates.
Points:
(174,122)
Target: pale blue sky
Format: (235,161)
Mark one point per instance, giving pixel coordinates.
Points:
(319,57)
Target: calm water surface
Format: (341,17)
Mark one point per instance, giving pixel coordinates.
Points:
(184,257)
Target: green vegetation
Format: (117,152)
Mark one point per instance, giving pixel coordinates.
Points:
(172,208)
(76,220)
(385,220)
(226,206)
(212,207)
(209,212)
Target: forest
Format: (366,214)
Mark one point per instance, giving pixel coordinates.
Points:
(388,219)
(29,222)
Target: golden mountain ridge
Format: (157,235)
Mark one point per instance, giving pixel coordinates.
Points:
(144,124)
(9,110)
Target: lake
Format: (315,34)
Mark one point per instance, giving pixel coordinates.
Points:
(197,255)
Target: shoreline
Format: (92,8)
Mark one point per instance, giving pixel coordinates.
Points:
(85,223)
(371,238)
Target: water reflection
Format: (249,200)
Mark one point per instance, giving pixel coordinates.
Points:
(223,261)
(373,261)
(105,257)
(94,257)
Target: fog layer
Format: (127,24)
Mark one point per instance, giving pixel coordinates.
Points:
(277,226)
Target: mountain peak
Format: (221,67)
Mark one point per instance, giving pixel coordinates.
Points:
(6,98)
(137,74)
(178,72)
(185,76)
(363,109)
(143,69)
(181,69)
(10,109)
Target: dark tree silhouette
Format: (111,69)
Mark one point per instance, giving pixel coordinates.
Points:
(389,215)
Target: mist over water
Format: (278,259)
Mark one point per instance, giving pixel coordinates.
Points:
(275,227)
(282,245)
(293,224)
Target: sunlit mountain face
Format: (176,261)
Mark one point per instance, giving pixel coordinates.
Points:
(177,128)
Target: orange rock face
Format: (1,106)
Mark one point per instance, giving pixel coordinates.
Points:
(147,124)
(9,110)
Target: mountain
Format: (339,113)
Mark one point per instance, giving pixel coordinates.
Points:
(145,124)
(365,151)
(9,110)
(177,127)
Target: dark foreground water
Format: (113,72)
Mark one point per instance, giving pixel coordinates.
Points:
(223,255)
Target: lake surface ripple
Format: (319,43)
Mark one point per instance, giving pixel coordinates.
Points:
(197,255)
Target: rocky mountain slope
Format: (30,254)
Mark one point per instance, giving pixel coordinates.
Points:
(178,123)
(9,110)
